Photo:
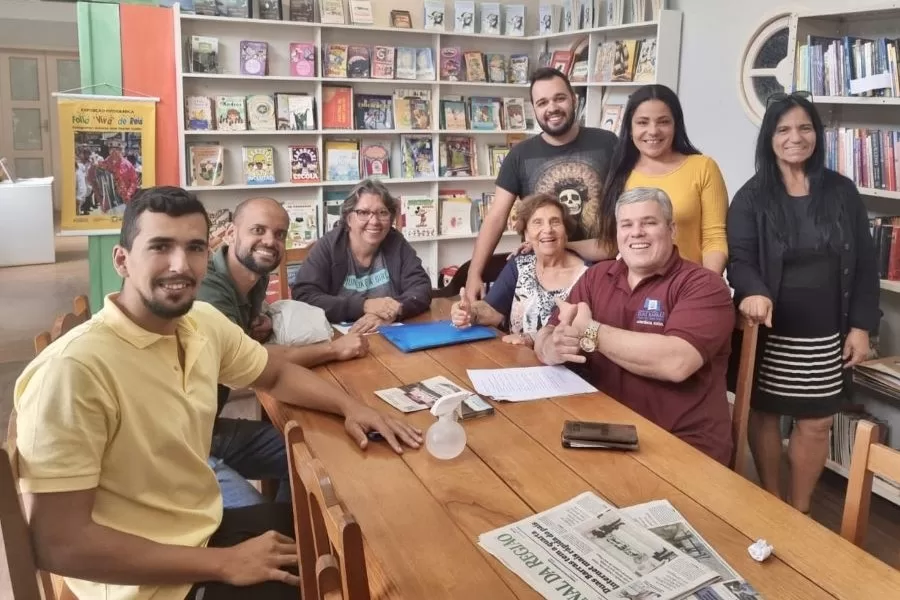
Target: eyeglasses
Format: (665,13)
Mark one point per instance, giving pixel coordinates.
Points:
(364,215)
(779,96)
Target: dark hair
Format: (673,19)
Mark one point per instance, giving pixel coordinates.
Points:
(546,73)
(167,199)
(770,184)
(626,154)
(529,205)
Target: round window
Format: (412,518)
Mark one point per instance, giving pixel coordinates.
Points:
(765,69)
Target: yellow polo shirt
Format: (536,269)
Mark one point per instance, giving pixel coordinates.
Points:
(699,202)
(107,406)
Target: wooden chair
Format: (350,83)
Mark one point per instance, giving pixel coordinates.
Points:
(868,458)
(291,256)
(492,269)
(24,576)
(329,540)
(61,326)
(740,413)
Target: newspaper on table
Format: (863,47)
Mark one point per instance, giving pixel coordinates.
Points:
(585,549)
(663,519)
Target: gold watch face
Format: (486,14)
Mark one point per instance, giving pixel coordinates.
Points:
(588,344)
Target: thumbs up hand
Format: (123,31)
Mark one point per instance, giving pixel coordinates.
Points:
(461,312)
(564,342)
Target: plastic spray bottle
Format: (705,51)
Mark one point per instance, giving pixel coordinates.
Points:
(446,438)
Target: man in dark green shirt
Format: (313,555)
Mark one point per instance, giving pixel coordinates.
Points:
(235,284)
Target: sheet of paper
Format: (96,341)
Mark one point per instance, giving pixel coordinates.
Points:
(344,328)
(528,383)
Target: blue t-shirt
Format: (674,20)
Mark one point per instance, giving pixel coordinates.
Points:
(373,281)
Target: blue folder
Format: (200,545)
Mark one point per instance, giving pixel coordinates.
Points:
(421,336)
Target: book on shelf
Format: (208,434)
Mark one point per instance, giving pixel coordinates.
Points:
(203,54)
(587,14)
(219,221)
(880,374)
(231,113)
(434,15)
(198,113)
(474,62)
(611,117)
(417,156)
(518,69)
(456,212)
(843,436)
(886,235)
(361,12)
(484,113)
(451,64)
(359,62)
(561,60)
(514,113)
(261,112)
(242,9)
(406,63)
(496,156)
(514,23)
(571,18)
(425,64)
(295,112)
(848,66)
(337,107)
(453,114)
(375,159)
(496,68)
(457,157)
(303,59)
(372,111)
(383,62)
(464,16)
(207,164)
(870,157)
(334,201)
(254,58)
(418,217)
(303,11)
(335,60)
(303,223)
(269,10)
(332,12)
(490,18)
(548,18)
(304,164)
(615,12)
(603,63)
(259,164)
(645,72)
(342,160)
(625,59)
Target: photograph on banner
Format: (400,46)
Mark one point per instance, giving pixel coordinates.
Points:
(110,145)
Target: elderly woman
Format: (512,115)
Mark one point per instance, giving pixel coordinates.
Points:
(526,291)
(363,270)
(802,263)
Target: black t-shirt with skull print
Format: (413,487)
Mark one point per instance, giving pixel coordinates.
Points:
(575,172)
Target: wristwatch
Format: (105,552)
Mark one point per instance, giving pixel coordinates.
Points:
(588,340)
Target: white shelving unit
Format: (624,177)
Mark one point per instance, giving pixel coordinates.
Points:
(436,252)
(853,111)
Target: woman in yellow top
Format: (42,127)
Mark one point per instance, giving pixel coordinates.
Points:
(654,151)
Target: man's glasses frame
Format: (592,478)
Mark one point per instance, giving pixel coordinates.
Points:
(779,96)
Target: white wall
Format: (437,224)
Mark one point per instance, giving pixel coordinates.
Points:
(36,24)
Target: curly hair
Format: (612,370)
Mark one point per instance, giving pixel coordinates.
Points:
(526,207)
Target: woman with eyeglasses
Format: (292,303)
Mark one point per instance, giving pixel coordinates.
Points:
(364,271)
(802,263)
(654,151)
(526,291)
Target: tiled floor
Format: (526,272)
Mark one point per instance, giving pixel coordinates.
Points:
(31,297)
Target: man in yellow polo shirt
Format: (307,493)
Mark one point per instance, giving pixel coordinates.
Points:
(115,421)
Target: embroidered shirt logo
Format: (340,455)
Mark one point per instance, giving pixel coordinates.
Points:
(651,314)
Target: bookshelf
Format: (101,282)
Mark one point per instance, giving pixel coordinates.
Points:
(436,252)
(860,112)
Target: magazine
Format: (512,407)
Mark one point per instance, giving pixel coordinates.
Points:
(421,395)
(586,548)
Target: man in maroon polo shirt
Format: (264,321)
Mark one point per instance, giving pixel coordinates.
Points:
(653,330)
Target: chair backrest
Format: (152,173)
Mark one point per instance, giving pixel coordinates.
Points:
(329,540)
(65,322)
(867,459)
(492,269)
(291,256)
(741,410)
(23,572)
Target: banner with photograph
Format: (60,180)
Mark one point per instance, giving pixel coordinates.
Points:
(108,152)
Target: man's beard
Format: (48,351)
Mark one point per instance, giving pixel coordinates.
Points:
(247,259)
(561,130)
(167,312)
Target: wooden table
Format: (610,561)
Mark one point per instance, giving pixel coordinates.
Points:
(421,516)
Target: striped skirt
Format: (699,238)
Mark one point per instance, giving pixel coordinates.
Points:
(801,377)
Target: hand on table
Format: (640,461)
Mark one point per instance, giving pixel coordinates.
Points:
(367,323)
(387,309)
(350,346)
(361,419)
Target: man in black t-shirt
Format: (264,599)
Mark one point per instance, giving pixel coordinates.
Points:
(566,160)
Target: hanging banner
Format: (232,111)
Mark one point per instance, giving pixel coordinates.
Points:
(108,152)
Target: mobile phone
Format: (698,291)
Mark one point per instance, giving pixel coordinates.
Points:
(589,434)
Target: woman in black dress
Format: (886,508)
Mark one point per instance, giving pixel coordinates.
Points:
(802,263)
